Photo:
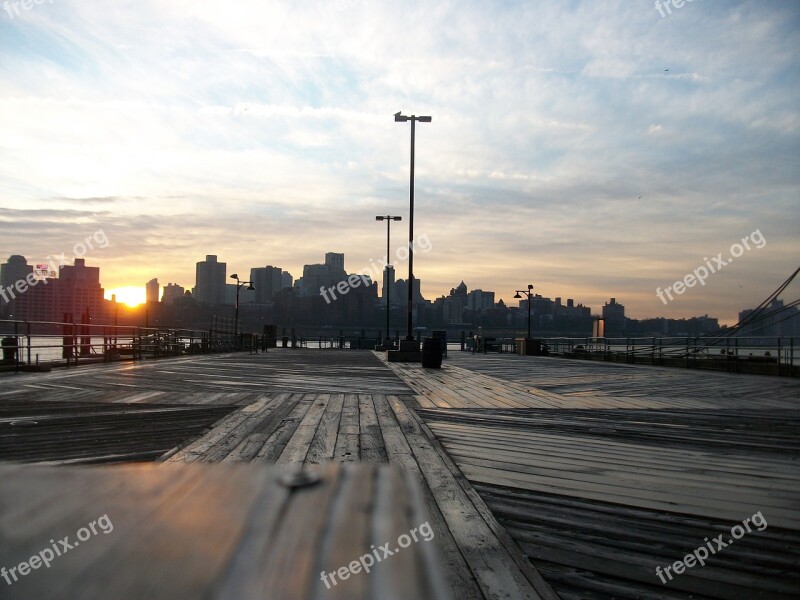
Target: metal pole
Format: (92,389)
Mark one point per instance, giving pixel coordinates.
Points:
(236,317)
(409,335)
(529,315)
(386,273)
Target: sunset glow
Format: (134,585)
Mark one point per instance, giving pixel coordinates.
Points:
(131,295)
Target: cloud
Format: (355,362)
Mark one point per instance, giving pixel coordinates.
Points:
(561,150)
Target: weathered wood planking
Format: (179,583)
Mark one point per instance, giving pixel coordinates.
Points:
(601,475)
(89,432)
(219,532)
(320,428)
(294,371)
(307,408)
(652,386)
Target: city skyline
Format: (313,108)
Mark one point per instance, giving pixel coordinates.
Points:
(601,150)
(222,292)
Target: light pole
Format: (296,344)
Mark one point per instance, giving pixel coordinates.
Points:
(528,293)
(239,285)
(402,119)
(388,219)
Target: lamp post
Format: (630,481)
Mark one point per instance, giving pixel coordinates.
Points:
(399,118)
(388,219)
(239,285)
(528,293)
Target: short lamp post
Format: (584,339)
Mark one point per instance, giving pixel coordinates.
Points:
(528,293)
(239,285)
(388,219)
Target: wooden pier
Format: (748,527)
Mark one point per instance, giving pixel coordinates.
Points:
(540,477)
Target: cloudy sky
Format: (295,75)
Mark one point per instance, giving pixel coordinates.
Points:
(594,149)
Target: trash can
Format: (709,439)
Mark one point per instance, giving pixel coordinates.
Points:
(432,353)
(10,346)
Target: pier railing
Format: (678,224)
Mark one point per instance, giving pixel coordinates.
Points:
(767,355)
(42,344)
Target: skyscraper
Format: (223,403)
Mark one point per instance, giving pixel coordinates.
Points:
(172,292)
(335,260)
(267,281)
(80,293)
(152,291)
(210,281)
(614,317)
(16,269)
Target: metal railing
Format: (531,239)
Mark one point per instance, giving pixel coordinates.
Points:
(767,355)
(32,344)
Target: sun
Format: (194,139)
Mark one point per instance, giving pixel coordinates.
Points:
(131,295)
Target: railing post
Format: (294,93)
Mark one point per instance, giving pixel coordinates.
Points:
(687,352)
(779,356)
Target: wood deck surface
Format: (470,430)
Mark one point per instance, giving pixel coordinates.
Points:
(288,408)
(603,472)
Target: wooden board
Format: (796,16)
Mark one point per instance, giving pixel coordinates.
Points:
(218,532)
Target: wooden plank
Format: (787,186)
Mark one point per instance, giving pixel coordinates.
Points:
(323,445)
(297,448)
(252,444)
(489,551)
(347,440)
(461,582)
(487,558)
(370,438)
(276,443)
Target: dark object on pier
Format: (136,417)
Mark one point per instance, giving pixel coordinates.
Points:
(432,353)
(10,347)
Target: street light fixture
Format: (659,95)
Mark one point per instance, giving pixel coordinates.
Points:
(239,285)
(388,219)
(399,118)
(528,293)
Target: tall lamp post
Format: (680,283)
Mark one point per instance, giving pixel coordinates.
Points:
(528,293)
(239,285)
(399,118)
(388,219)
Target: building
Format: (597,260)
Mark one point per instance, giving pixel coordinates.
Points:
(286,280)
(80,294)
(16,269)
(152,291)
(335,260)
(614,317)
(172,293)
(268,281)
(246,296)
(325,275)
(776,320)
(210,281)
(400,292)
(479,301)
(40,302)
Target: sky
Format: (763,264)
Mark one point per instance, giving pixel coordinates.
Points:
(592,149)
